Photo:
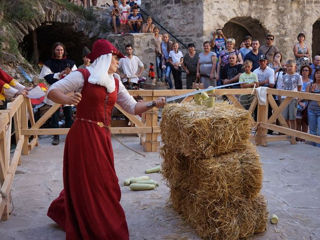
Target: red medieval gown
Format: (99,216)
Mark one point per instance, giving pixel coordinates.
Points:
(89,206)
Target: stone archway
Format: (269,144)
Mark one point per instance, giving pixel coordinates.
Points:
(316,38)
(36,46)
(239,27)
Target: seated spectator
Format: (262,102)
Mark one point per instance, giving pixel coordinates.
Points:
(218,42)
(269,49)
(314,107)
(301,51)
(315,65)
(10,87)
(248,79)
(253,56)
(124,13)
(135,21)
(290,81)
(131,67)
(148,26)
(247,46)
(176,59)
(276,64)
(190,61)
(302,108)
(231,72)
(115,14)
(265,74)
(86,61)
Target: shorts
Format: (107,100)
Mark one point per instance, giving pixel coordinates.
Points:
(117,21)
(290,112)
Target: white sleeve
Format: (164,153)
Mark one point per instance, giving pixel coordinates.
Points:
(9,92)
(170,54)
(45,71)
(73,82)
(271,76)
(300,83)
(125,100)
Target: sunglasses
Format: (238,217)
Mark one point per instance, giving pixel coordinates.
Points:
(269,38)
(305,70)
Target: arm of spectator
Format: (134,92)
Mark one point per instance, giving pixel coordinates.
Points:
(235,78)
(219,68)
(185,67)
(48,75)
(141,68)
(214,63)
(198,70)
(240,60)
(270,81)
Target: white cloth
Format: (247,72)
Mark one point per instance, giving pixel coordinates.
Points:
(130,67)
(262,95)
(99,72)
(176,57)
(267,73)
(74,83)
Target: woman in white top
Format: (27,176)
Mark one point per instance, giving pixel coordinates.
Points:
(176,59)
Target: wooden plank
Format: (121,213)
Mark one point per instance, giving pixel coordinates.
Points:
(291,132)
(30,112)
(24,125)
(33,143)
(279,110)
(261,133)
(3,168)
(141,93)
(130,130)
(15,105)
(165,93)
(235,101)
(46,116)
(131,117)
(275,107)
(253,105)
(6,186)
(4,120)
(277,138)
(300,95)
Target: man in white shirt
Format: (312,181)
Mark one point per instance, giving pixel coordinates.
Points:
(265,74)
(131,67)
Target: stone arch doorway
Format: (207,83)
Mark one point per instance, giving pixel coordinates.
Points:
(36,46)
(316,38)
(239,27)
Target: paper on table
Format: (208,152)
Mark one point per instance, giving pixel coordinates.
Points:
(36,93)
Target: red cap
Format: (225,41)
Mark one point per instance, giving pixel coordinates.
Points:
(101,47)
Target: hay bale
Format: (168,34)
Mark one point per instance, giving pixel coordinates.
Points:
(228,176)
(200,132)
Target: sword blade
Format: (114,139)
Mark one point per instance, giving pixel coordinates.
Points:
(171,99)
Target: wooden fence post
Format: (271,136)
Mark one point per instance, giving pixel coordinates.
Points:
(261,134)
(24,125)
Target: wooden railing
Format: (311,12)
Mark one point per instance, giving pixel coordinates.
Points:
(26,129)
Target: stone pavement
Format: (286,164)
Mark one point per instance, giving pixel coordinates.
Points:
(291,186)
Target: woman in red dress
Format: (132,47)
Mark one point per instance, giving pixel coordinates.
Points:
(89,206)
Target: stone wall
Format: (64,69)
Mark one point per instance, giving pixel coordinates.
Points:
(142,44)
(196,20)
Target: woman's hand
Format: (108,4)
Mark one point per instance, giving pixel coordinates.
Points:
(160,102)
(211,76)
(74,98)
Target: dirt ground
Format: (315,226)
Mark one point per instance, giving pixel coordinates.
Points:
(291,187)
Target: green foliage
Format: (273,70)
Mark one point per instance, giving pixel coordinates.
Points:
(13,45)
(86,13)
(21,10)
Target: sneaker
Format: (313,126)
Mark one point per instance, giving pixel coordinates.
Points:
(55,140)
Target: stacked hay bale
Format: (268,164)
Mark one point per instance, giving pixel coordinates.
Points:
(212,169)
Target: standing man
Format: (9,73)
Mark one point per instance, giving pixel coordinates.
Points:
(265,74)
(132,68)
(315,65)
(253,56)
(190,61)
(269,49)
(232,71)
(247,46)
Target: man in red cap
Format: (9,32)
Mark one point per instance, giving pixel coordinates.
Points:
(89,206)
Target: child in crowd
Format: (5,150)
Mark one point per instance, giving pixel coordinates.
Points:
(124,13)
(115,14)
(135,20)
(290,81)
(247,79)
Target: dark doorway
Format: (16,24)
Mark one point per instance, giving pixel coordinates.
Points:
(239,27)
(316,38)
(43,38)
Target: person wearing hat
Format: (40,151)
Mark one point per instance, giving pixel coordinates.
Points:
(89,206)
(85,59)
(265,74)
(301,52)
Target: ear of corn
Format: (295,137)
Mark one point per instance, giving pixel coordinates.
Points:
(154,169)
(127,181)
(141,178)
(204,95)
(150,181)
(274,219)
(141,186)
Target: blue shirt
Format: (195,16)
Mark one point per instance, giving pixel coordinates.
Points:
(254,59)
(165,50)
